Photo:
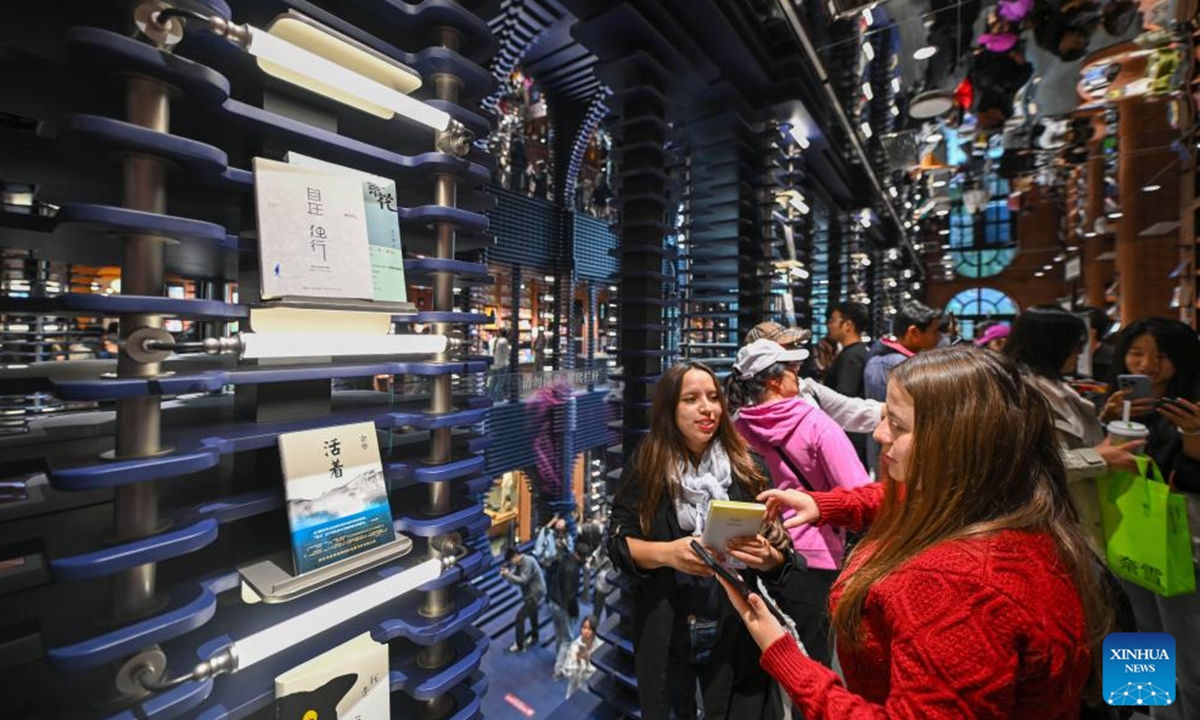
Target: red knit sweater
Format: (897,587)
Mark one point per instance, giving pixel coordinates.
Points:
(981,628)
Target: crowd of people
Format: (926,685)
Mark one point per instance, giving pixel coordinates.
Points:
(966,579)
(552,574)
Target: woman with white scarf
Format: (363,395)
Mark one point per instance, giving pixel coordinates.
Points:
(685,635)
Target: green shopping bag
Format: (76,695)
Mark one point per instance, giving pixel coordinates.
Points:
(1146,534)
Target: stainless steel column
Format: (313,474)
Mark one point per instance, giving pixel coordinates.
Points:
(135,507)
(439,602)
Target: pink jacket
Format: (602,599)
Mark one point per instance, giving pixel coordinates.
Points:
(819,449)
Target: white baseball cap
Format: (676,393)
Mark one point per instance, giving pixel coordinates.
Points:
(762,354)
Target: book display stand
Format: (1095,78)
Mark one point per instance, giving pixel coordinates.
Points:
(136,586)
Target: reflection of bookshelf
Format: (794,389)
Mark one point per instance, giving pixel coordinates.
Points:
(501,522)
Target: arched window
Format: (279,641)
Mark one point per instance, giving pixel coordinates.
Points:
(983,244)
(980,303)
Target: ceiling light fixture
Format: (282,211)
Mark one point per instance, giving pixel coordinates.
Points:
(925,53)
(1152,188)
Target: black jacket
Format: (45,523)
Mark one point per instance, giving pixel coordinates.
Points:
(733,683)
(846,373)
(1165,445)
(563,583)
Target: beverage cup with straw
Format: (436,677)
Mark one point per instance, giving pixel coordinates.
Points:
(1125,430)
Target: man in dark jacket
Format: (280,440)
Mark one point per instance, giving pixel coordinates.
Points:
(564,605)
(847,323)
(523,571)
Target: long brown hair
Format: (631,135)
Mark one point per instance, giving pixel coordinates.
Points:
(984,459)
(658,455)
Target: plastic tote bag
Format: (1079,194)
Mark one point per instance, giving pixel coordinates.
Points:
(1147,540)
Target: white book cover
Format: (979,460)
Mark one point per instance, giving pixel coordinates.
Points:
(383,226)
(348,682)
(312,233)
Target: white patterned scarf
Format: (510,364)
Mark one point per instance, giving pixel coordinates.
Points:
(700,485)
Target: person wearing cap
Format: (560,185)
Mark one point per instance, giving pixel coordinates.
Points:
(995,337)
(785,336)
(852,414)
(802,448)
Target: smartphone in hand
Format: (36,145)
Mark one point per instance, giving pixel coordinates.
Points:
(728,575)
(1136,387)
(737,582)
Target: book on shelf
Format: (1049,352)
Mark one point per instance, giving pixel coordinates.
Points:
(348,682)
(312,233)
(337,499)
(383,227)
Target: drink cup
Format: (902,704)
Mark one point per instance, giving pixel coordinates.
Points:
(1121,432)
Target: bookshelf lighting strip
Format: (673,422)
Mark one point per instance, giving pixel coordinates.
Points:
(265,643)
(286,345)
(299,66)
(146,669)
(155,344)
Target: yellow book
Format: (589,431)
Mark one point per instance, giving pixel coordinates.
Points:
(729,519)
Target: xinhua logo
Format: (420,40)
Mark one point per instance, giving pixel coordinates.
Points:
(1139,669)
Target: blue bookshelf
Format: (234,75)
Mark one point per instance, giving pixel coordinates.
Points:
(139,515)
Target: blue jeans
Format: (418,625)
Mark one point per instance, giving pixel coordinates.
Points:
(562,635)
(692,642)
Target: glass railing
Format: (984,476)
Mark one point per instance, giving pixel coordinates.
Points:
(525,385)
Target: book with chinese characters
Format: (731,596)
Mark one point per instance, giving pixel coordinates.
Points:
(337,500)
(312,233)
(383,227)
(349,681)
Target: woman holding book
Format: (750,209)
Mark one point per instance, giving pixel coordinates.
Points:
(685,635)
(802,448)
(973,594)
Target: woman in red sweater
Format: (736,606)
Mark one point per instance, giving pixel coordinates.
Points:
(973,594)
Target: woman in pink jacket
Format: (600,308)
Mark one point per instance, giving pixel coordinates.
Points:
(804,449)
